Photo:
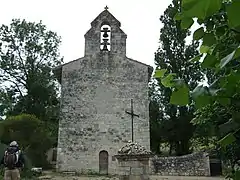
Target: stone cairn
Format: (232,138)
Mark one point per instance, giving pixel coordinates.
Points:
(132,148)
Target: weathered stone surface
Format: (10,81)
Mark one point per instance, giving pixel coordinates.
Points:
(124,170)
(132,148)
(95,92)
(45,177)
(151,177)
(136,170)
(196,164)
(138,166)
(135,157)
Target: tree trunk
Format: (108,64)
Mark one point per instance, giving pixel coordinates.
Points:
(171,148)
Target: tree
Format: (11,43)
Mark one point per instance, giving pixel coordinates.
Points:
(28,52)
(6,100)
(207,121)
(155,116)
(172,56)
(29,131)
(220,51)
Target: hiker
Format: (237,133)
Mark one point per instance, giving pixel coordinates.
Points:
(13,162)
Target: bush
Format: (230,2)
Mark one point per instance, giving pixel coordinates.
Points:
(31,135)
(2,150)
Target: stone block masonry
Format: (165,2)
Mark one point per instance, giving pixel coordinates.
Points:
(196,164)
(96,92)
(93,114)
(133,167)
(133,162)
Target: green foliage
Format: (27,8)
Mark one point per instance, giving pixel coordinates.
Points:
(28,53)
(179,91)
(160,73)
(174,69)
(2,150)
(233,9)
(198,34)
(220,35)
(29,131)
(155,115)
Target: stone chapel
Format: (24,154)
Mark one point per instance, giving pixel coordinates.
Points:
(98,93)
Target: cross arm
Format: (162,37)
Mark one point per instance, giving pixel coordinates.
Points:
(132,114)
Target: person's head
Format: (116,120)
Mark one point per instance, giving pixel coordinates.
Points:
(13,144)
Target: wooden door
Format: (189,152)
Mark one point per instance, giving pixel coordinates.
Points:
(103,162)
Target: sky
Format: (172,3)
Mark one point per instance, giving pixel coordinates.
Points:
(71,19)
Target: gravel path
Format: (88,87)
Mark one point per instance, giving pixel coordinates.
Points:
(58,177)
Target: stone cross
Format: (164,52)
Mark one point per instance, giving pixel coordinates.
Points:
(106,8)
(132,115)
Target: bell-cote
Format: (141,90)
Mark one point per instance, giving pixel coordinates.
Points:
(105,35)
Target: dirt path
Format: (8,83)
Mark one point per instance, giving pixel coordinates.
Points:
(69,177)
(184,178)
(152,178)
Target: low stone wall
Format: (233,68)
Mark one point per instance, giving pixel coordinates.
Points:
(196,164)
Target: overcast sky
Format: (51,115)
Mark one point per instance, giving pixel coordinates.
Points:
(71,20)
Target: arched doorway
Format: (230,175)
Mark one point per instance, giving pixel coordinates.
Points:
(103,162)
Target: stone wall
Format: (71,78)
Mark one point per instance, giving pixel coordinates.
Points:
(133,167)
(96,90)
(196,164)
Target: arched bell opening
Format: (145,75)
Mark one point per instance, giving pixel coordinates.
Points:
(105,38)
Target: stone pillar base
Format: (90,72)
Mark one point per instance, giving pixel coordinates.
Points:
(133,167)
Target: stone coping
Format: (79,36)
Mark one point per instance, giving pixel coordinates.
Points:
(200,153)
(133,156)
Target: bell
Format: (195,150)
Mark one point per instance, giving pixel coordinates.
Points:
(105,35)
(105,30)
(105,42)
(105,47)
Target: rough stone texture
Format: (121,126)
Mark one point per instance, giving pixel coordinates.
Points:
(196,164)
(133,167)
(95,92)
(133,164)
(132,148)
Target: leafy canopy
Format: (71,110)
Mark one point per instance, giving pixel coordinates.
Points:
(219,32)
(172,57)
(30,133)
(28,52)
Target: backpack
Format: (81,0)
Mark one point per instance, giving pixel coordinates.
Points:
(10,159)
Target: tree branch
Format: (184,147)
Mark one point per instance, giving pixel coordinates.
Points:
(17,79)
(20,57)
(232,98)
(236,31)
(16,87)
(39,62)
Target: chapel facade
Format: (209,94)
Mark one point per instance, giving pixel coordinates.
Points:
(99,94)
